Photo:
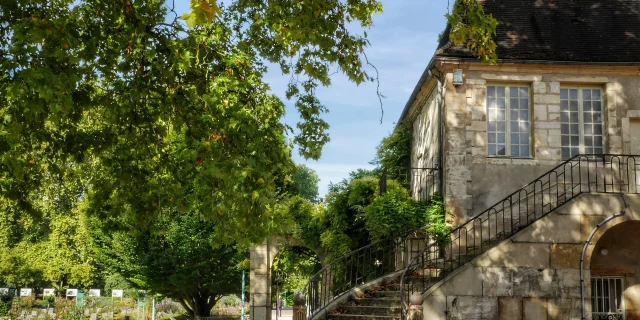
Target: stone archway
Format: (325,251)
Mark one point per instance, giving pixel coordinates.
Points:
(615,270)
(260,278)
(262,257)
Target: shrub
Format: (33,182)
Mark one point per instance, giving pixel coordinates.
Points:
(4,308)
(436,219)
(392,214)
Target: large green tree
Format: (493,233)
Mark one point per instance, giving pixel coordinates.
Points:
(156,115)
(178,261)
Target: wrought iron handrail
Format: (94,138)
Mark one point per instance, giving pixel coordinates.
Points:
(360,266)
(378,259)
(580,174)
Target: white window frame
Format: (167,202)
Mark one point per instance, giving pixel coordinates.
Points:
(621,289)
(581,118)
(508,87)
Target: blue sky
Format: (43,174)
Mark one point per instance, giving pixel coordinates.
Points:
(403,39)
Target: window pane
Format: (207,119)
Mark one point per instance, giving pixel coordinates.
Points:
(564,93)
(592,119)
(573,94)
(502,114)
(495,113)
(515,126)
(597,105)
(515,139)
(514,103)
(573,105)
(491,149)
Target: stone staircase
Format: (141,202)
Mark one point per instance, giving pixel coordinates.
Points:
(378,303)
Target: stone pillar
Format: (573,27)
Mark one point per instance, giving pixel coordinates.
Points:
(415,307)
(260,278)
(299,307)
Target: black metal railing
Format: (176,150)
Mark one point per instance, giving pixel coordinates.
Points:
(358,267)
(580,174)
(422,183)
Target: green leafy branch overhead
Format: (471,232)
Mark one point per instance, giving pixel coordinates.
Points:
(472,27)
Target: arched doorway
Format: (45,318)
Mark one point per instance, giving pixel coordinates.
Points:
(261,276)
(615,273)
(291,269)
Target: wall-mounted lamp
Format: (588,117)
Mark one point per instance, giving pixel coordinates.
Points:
(604,252)
(458,78)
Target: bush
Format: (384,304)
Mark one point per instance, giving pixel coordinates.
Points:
(4,308)
(392,214)
(435,216)
(169,307)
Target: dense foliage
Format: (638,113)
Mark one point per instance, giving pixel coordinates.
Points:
(471,26)
(394,151)
(178,262)
(305,183)
(155,116)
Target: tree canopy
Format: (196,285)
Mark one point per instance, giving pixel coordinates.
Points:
(180,261)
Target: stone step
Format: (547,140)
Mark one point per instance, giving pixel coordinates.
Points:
(391,287)
(385,293)
(373,310)
(378,302)
(361,317)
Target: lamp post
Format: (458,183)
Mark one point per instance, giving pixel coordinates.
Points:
(242,298)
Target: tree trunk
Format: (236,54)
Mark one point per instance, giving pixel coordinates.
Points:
(198,306)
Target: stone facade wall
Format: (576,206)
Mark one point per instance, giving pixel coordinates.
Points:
(536,274)
(426,132)
(473,181)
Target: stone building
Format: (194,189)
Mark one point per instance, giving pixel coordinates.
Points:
(534,156)
(567,83)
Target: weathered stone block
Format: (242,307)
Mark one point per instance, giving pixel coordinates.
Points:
(554,87)
(564,309)
(260,313)
(534,309)
(497,281)
(260,283)
(553,228)
(465,283)
(476,81)
(540,87)
(553,108)
(472,308)
(512,255)
(533,282)
(540,112)
(435,307)
(566,255)
(509,308)
(478,126)
(547,125)
(546,98)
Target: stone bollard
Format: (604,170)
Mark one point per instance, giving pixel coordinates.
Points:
(415,307)
(299,307)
